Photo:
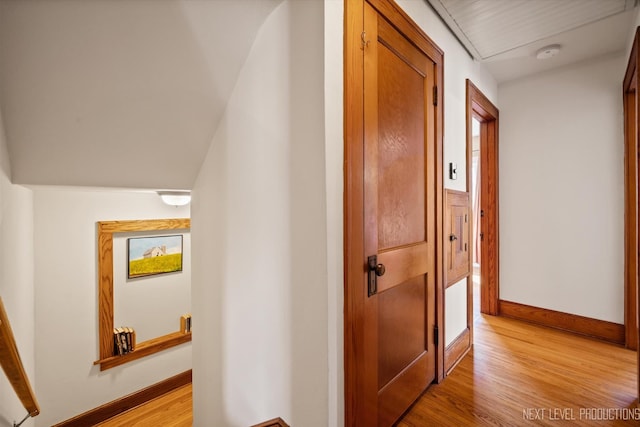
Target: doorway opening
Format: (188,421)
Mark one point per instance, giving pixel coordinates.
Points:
(475,212)
(485,246)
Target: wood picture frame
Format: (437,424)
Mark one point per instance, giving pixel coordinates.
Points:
(106,231)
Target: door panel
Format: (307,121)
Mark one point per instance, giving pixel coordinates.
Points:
(399,217)
(402,264)
(401,209)
(401,328)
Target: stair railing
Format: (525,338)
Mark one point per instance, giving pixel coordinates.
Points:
(14,369)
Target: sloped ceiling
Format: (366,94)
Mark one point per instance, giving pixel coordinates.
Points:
(119,93)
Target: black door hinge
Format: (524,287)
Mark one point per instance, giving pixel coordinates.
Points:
(436,335)
(435,96)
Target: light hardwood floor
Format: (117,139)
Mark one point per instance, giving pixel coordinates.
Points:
(520,374)
(173,409)
(517,375)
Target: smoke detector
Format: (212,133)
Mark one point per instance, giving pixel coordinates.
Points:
(548,51)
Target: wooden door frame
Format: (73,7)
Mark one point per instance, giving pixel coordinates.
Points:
(354,256)
(478,105)
(631,212)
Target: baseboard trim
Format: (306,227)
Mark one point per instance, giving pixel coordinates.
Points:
(455,351)
(276,422)
(593,328)
(118,406)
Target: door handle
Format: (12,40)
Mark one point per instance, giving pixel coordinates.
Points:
(375,270)
(452,237)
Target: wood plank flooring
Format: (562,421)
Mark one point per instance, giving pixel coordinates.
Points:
(173,409)
(519,374)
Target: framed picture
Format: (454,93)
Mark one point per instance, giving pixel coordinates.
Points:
(154,255)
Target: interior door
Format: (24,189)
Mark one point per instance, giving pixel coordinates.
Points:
(399,218)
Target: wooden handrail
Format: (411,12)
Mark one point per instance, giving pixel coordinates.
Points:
(12,365)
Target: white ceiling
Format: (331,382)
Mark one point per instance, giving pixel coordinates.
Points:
(119,93)
(506,34)
(129,93)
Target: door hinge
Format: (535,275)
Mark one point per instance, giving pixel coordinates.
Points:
(435,96)
(365,42)
(436,335)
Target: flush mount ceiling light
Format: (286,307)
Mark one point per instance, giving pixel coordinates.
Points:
(548,51)
(175,198)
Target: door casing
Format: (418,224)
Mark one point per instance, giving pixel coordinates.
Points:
(479,106)
(631,209)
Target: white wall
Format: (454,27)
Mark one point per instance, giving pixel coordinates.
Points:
(334,149)
(152,305)
(66,338)
(458,66)
(260,232)
(16,280)
(561,190)
(455,310)
(229,221)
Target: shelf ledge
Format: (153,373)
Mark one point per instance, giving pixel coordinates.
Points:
(145,348)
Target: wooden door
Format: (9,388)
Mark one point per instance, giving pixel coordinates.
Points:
(399,218)
(632,201)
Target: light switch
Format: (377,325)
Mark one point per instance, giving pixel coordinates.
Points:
(453,171)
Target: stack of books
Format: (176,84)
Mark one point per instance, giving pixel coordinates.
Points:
(124,340)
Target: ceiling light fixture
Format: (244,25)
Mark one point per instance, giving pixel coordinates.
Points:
(175,198)
(548,51)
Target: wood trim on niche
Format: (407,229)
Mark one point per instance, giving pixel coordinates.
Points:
(457,350)
(593,328)
(456,199)
(106,230)
(118,406)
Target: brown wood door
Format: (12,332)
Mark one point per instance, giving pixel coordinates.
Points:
(399,217)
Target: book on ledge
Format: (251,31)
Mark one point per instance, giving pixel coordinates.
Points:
(124,340)
(185,323)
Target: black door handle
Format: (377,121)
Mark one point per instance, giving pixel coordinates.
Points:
(375,270)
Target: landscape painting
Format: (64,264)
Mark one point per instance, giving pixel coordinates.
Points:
(154,255)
